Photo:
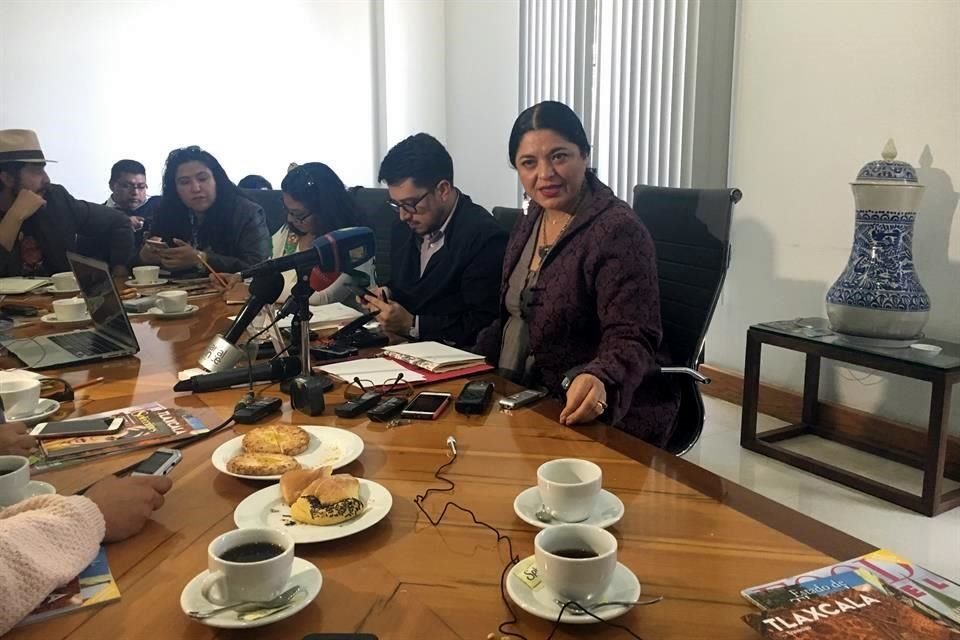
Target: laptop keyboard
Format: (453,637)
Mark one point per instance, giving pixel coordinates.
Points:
(84,344)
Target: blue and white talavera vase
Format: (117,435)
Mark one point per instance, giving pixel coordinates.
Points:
(878,295)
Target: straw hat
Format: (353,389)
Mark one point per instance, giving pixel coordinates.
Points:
(20,145)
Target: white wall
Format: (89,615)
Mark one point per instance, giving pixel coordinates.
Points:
(820,86)
(483,84)
(416,94)
(258,84)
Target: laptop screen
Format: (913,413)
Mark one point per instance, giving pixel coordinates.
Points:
(103,301)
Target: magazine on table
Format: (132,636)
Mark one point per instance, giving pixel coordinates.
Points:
(93,587)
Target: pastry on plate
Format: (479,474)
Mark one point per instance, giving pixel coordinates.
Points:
(328,500)
(292,483)
(261,464)
(287,439)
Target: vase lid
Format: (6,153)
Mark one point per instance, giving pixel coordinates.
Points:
(889,170)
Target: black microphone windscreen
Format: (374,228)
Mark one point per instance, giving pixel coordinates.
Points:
(267,287)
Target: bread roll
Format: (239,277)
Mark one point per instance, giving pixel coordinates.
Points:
(261,464)
(292,483)
(328,501)
(287,439)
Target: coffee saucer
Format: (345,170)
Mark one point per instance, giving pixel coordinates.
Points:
(156,283)
(35,488)
(304,574)
(51,318)
(189,310)
(52,289)
(607,509)
(45,408)
(534,597)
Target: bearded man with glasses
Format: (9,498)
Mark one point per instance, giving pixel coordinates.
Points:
(446,251)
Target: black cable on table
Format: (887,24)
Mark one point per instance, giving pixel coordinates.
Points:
(512,560)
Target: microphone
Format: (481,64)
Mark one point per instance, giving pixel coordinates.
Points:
(337,251)
(279,369)
(222,352)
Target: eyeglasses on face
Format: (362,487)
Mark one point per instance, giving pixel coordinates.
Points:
(410,205)
(132,186)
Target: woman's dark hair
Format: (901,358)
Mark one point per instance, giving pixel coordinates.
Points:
(253,181)
(227,192)
(556,117)
(324,195)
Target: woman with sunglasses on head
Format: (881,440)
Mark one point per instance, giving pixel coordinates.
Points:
(579,302)
(203,220)
(317,203)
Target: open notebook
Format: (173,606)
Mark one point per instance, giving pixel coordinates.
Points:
(433,356)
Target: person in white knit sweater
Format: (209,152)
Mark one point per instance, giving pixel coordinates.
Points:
(46,541)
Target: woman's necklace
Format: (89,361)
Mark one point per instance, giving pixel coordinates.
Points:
(544,247)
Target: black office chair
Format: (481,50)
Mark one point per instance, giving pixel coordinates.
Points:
(691,231)
(507,217)
(271,201)
(372,203)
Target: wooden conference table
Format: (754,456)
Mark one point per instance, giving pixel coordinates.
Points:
(689,535)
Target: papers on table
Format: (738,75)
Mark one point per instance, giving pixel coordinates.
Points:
(433,356)
(16,286)
(326,315)
(379,371)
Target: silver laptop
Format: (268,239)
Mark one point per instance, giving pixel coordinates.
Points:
(111,336)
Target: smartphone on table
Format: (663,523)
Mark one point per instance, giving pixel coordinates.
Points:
(159,463)
(70,428)
(428,405)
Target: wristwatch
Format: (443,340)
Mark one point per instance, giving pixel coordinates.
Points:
(570,376)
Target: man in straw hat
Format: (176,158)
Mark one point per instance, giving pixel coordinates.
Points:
(40,221)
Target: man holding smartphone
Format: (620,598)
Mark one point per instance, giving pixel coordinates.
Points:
(446,251)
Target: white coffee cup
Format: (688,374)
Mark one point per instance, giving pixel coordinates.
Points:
(568,488)
(20,395)
(64,281)
(172,301)
(256,581)
(581,579)
(146,275)
(14,479)
(70,309)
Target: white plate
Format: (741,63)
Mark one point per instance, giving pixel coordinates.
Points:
(328,446)
(541,601)
(304,574)
(45,408)
(51,318)
(265,508)
(155,283)
(157,312)
(607,509)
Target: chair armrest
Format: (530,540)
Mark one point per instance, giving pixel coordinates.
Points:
(693,373)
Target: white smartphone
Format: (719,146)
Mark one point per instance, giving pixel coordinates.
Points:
(70,428)
(426,406)
(159,463)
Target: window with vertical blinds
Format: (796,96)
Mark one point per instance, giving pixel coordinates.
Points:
(651,80)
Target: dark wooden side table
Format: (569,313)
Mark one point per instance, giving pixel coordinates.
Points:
(941,370)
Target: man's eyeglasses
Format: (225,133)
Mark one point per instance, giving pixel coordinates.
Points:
(133,186)
(410,206)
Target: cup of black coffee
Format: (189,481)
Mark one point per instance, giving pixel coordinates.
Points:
(248,564)
(576,561)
